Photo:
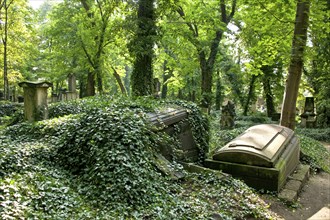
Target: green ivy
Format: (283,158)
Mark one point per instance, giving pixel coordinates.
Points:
(98,163)
(314,154)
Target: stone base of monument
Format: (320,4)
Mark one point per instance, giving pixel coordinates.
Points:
(295,183)
(264,157)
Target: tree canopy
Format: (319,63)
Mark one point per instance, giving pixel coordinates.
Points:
(203,51)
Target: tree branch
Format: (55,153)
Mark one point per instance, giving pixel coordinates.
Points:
(86,53)
(189,24)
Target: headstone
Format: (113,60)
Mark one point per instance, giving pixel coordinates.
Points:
(54,97)
(308,117)
(71,93)
(72,83)
(35,100)
(228,115)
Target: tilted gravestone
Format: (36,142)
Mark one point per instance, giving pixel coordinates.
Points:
(35,100)
(172,121)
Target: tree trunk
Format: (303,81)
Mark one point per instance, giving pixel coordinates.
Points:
(267,70)
(218,93)
(119,81)
(142,75)
(250,95)
(206,86)
(127,79)
(296,65)
(99,81)
(5,53)
(90,90)
(167,74)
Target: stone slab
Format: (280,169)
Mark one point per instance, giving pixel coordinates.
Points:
(293,185)
(301,173)
(322,214)
(288,195)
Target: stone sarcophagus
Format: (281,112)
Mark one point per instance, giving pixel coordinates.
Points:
(263,156)
(173,122)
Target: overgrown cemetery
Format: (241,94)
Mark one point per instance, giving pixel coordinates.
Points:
(155,109)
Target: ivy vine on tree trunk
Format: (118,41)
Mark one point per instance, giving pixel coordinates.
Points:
(142,47)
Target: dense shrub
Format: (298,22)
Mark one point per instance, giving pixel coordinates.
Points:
(9,108)
(10,112)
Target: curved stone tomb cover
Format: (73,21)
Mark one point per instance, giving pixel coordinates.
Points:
(260,145)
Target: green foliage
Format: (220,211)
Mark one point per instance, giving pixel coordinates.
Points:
(320,134)
(99,164)
(314,154)
(10,113)
(256,119)
(8,108)
(323,113)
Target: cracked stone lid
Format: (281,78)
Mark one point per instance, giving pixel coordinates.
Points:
(260,145)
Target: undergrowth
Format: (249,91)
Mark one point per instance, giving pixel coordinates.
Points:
(96,161)
(314,154)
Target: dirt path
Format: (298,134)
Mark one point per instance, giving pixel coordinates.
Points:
(314,196)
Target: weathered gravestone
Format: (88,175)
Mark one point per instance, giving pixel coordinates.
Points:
(35,100)
(172,121)
(308,117)
(72,85)
(263,156)
(228,115)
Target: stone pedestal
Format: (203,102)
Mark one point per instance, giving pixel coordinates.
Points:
(35,100)
(308,117)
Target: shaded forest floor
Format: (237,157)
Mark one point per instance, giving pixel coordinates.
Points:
(314,196)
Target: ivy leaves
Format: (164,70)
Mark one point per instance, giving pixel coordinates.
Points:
(97,162)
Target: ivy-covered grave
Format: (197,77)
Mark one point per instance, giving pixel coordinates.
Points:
(95,159)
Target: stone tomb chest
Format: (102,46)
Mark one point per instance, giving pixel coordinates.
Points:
(173,122)
(263,156)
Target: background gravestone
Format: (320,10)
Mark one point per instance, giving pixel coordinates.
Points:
(308,117)
(228,115)
(35,100)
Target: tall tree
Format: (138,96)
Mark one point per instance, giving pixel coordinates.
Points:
(15,30)
(142,48)
(82,37)
(6,5)
(265,29)
(207,57)
(205,23)
(296,64)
